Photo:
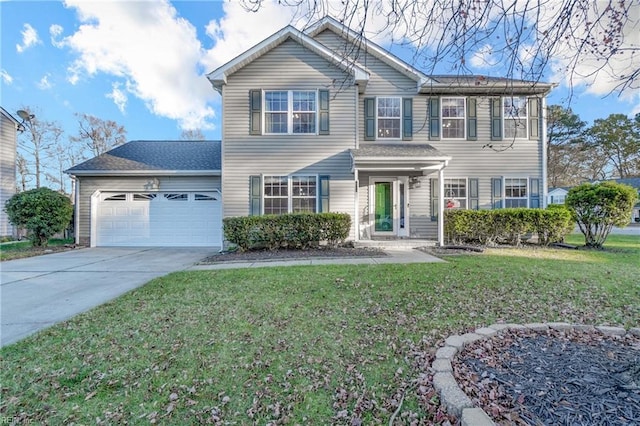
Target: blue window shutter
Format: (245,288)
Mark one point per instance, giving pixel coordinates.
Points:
(323,111)
(255,195)
(434,119)
(534,193)
(323,194)
(474,198)
(496,193)
(472,119)
(534,118)
(407,119)
(496,119)
(433,194)
(255,112)
(369,119)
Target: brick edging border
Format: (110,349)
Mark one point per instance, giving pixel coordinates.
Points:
(454,398)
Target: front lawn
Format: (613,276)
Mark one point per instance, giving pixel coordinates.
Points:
(301,345)
(21,249)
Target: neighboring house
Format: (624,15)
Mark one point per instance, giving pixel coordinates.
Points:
(9,126)
(321,121)
(557,195)
(635,183)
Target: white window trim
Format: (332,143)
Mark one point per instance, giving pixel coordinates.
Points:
(289,112)
(392,118)
(504,190)
(525,118)
(466,188)
(464,119)
(290,190)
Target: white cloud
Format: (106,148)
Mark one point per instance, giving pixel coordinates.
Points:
(29,38)
(118,96)
(483,57)
(149,46)
(238,30)
(6,77)
(44,83)
(55,31)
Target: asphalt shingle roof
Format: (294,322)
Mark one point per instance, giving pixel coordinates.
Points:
(397,151)
(155,156)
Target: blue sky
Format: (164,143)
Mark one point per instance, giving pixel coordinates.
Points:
(142,64)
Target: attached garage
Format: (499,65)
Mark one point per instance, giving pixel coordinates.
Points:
(158,219)
(150,194)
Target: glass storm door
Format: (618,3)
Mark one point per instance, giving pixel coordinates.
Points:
(384,219)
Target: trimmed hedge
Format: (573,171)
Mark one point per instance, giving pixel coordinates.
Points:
(292,231)
(490,227)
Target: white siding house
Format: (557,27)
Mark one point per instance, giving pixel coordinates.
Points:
(8,142)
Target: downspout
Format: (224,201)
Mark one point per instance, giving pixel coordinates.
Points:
(441,206)
(356,184)
(543,143)
(76,220)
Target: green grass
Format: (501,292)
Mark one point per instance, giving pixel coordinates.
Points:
(18,250)
(300,345)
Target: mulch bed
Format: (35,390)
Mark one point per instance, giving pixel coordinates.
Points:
(268,255)
(525,377)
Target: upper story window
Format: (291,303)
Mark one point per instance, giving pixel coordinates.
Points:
(515,117)
(453,118)
(389,118)
(290,112)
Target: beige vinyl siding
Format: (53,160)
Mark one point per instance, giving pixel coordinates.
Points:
(384,81)
(7,170)
(288,66)
(89,185)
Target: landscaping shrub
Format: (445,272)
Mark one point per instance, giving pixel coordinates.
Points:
(293,231)
(510,226)
(599,207)
(42,212)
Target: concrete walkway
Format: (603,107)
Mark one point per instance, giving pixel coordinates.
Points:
(393,256)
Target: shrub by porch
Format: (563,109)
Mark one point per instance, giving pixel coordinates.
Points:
(509,226)
(293,231)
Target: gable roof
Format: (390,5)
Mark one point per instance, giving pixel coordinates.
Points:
(158,157)
(329,23)
(218,77)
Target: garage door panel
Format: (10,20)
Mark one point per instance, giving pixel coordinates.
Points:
(171,219)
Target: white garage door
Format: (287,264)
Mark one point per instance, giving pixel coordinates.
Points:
(159,219)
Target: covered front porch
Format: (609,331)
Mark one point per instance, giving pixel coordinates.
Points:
(394,199)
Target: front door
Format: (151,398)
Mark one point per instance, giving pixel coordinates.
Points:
(389,205)
(383,221)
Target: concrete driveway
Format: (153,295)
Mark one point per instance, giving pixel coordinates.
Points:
(38,292)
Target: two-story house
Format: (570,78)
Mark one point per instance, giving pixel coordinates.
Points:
(323,120)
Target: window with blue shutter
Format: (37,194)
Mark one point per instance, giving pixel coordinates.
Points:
(434,119)
(534,118)
(433,195)
(534,193)
(474,197)
(255,195)
(496,193)
(496,119)
(369,119)
(323,110)
(472,119)
(407,119)
(323,194)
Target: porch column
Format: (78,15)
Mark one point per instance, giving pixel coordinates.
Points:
(441,206)
(356,206)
